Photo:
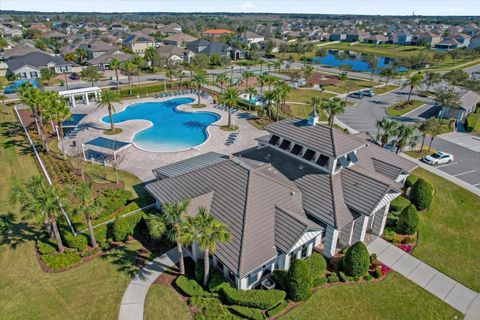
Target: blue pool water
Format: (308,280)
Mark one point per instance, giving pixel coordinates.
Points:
(172,129)
(332,59)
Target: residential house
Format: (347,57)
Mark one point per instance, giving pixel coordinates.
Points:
(179,39)
(474,42)
(426,39)
(175,54)
(376,39)
(338,36)
(249,37)
(356,36)
(174,26)
(118,27)
(216,33)
(29,65)
(139,43)
(215,48)
(466,105)
(103,61)
(168,30)
(306,186)
(463,39)
(403,38)
(448,44)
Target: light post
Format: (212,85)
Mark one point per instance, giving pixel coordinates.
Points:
(66,78)
(231,76)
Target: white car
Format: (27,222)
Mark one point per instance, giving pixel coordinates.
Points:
(438,158)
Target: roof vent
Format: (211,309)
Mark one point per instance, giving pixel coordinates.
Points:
(301,167)
(313,118)
(292,193)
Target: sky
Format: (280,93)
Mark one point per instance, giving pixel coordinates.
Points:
(367,7)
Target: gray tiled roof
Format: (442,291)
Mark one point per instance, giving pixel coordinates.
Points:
(190,164)
(35,59)
(320,138)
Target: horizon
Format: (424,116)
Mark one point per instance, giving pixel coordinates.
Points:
(362,8)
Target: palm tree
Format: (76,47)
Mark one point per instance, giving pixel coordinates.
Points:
(379,124)
(307,71)
(198,80)
(282,90)
(116,65)
(246,76)
(425,127)
(432,78)
(174,216)
(405,137)
(87,207)
(129,69)
(269,97)
(315,103)
(43,201)
(150,55)
(434,131)
(58,111)
(81,55)
(414,81)
(270,80)
(277,65)
(222,79)
(388,73)
(389,128)
(373,63)
(91,74)
(171,72)
(333,107)
(231,98)
(262,80)
(205,230)
(4,105)
(46,74)
(251,91)
(447,97)
(139,62)
(34,99)
(107,100)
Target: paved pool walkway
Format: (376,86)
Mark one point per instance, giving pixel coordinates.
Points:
(445,288)
(133,301)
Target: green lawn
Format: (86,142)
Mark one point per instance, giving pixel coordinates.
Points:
(449,237)
(304,95)
(384,89)
(302,111)
(351,85)
(164,303)
(91,291)
(393,298)
(395,111)
(473,121)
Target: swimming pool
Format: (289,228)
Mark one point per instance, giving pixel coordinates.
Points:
(171,129)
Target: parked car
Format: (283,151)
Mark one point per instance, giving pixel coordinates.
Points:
(356,95)
(390,147)
(438,158)
(12,88)
(74,76)
(367,93)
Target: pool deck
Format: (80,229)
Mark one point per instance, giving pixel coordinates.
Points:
(140,162)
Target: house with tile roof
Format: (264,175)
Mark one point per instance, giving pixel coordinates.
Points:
(216,33)
(305,187)
(30,64)
(138,43)
(215,48)
(179,39)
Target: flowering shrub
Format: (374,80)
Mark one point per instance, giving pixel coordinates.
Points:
(406,247)
(385,269)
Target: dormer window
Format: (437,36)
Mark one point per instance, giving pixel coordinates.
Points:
(274,140)
(309,155)
(285,145)
(322,161)
(296,149)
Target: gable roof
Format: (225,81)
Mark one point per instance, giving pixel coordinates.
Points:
(320,138)
(36,60)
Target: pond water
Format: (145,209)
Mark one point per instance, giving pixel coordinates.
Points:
(356,61)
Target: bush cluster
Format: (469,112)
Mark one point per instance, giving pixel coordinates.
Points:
(408,221)
(421,194)
(113,199)
(300,282)
(280,279)
(124,227)
(78,242)
(217,281)
(319,282)
(247,313)
(210,308)
(332,278)
(398,204)
(46,246)
(191,287)
(199,270)
(101,233)
(411,179)
(261,299)
(356,260)
(57,261)
(317,265)
(276,310)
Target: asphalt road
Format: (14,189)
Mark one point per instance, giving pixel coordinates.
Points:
(364,115)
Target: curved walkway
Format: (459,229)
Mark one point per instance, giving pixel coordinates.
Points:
(133,301)
(445,288)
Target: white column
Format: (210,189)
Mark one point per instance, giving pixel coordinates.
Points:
(360,229)
(310,248)
(86,99)
(73,102)
(330,242)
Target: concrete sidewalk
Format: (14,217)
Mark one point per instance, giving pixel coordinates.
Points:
(445,288)
(133,301)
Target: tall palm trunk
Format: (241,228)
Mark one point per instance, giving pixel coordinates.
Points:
(48,227)
(60,138)
(331,118)
(430,144)
(198,96)
(42,133)
(229,116)
(206,265)
(116,77)
(129,84)
(180,252)
(110,115)
(93,241)
(277,108)
(53,222)
(410,94)
(249,102)
(423,142)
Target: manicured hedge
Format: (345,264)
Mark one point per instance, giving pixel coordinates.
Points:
(273,312)
(217,281)
(56,261)
(101,233)
(300,282)
(247,313)
(356,260)
(319,281)
(46,246)
(280,279)
(79,242)
(411,179)
(210,308)
(124,227)
(408,221)
(191,287)
(398,204)
(261,299)
(421,194)
(317,265)
(332,278)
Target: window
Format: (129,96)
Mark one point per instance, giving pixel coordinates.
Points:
(304,252)
(323,161)
(252,279)
(22,75)
(309,155)
(231,276)
(285,145)
(220,265)
(296,149)
(34,74)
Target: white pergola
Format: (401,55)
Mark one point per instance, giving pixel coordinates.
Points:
(84,92)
